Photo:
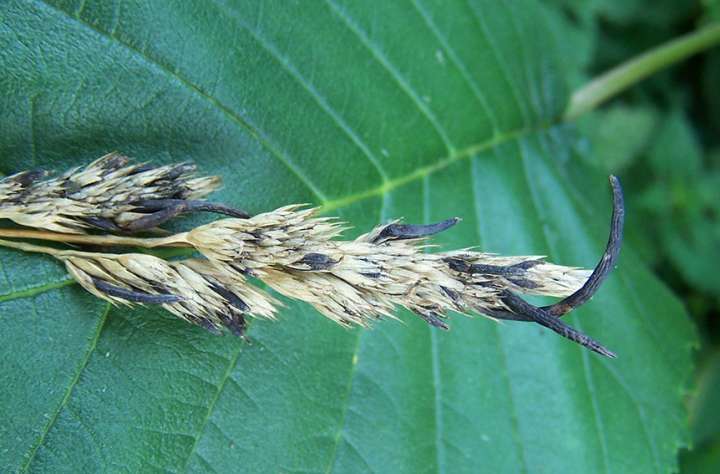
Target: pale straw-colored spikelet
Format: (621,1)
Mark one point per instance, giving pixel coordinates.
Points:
(191,289)
(530,275)
(333,297)
(356,282)
(271,238)
(107,194)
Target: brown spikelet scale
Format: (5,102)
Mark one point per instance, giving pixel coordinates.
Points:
(291,249)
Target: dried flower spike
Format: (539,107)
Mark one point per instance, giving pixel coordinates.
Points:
(356,282)
(108,194)
(291,249)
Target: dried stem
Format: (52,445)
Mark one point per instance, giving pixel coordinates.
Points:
(26,247)
(600,273)
(175,240)
(540,316)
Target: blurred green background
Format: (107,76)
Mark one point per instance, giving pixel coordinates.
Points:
(661,137)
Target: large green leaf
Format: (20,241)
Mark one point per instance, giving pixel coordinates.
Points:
(375,110)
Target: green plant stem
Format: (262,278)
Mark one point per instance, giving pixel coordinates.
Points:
(629,73)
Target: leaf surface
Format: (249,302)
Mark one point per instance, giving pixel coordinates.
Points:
(375,110)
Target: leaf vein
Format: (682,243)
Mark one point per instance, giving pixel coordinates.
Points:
(421,172)
(196,90)
(641,413)
(352,375)
(335,117)
(343,416)
(68,392)
(36,290)
(467,77)
(500,348)
(394,73)
(211,406)
(506,74)
(440,454)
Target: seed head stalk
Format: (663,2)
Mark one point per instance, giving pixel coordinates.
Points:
(175,240)
(27,247)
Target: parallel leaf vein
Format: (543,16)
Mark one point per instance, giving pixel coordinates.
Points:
(394,73)
(68,392)
(211,406)
(494,49)
(500,349)
(197,91)
(310,89)
(435,368)
(462,68)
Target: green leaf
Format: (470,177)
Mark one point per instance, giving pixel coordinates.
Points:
(374,110)
(573,25)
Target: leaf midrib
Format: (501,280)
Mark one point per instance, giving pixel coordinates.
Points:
(424,171)
(327,204)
